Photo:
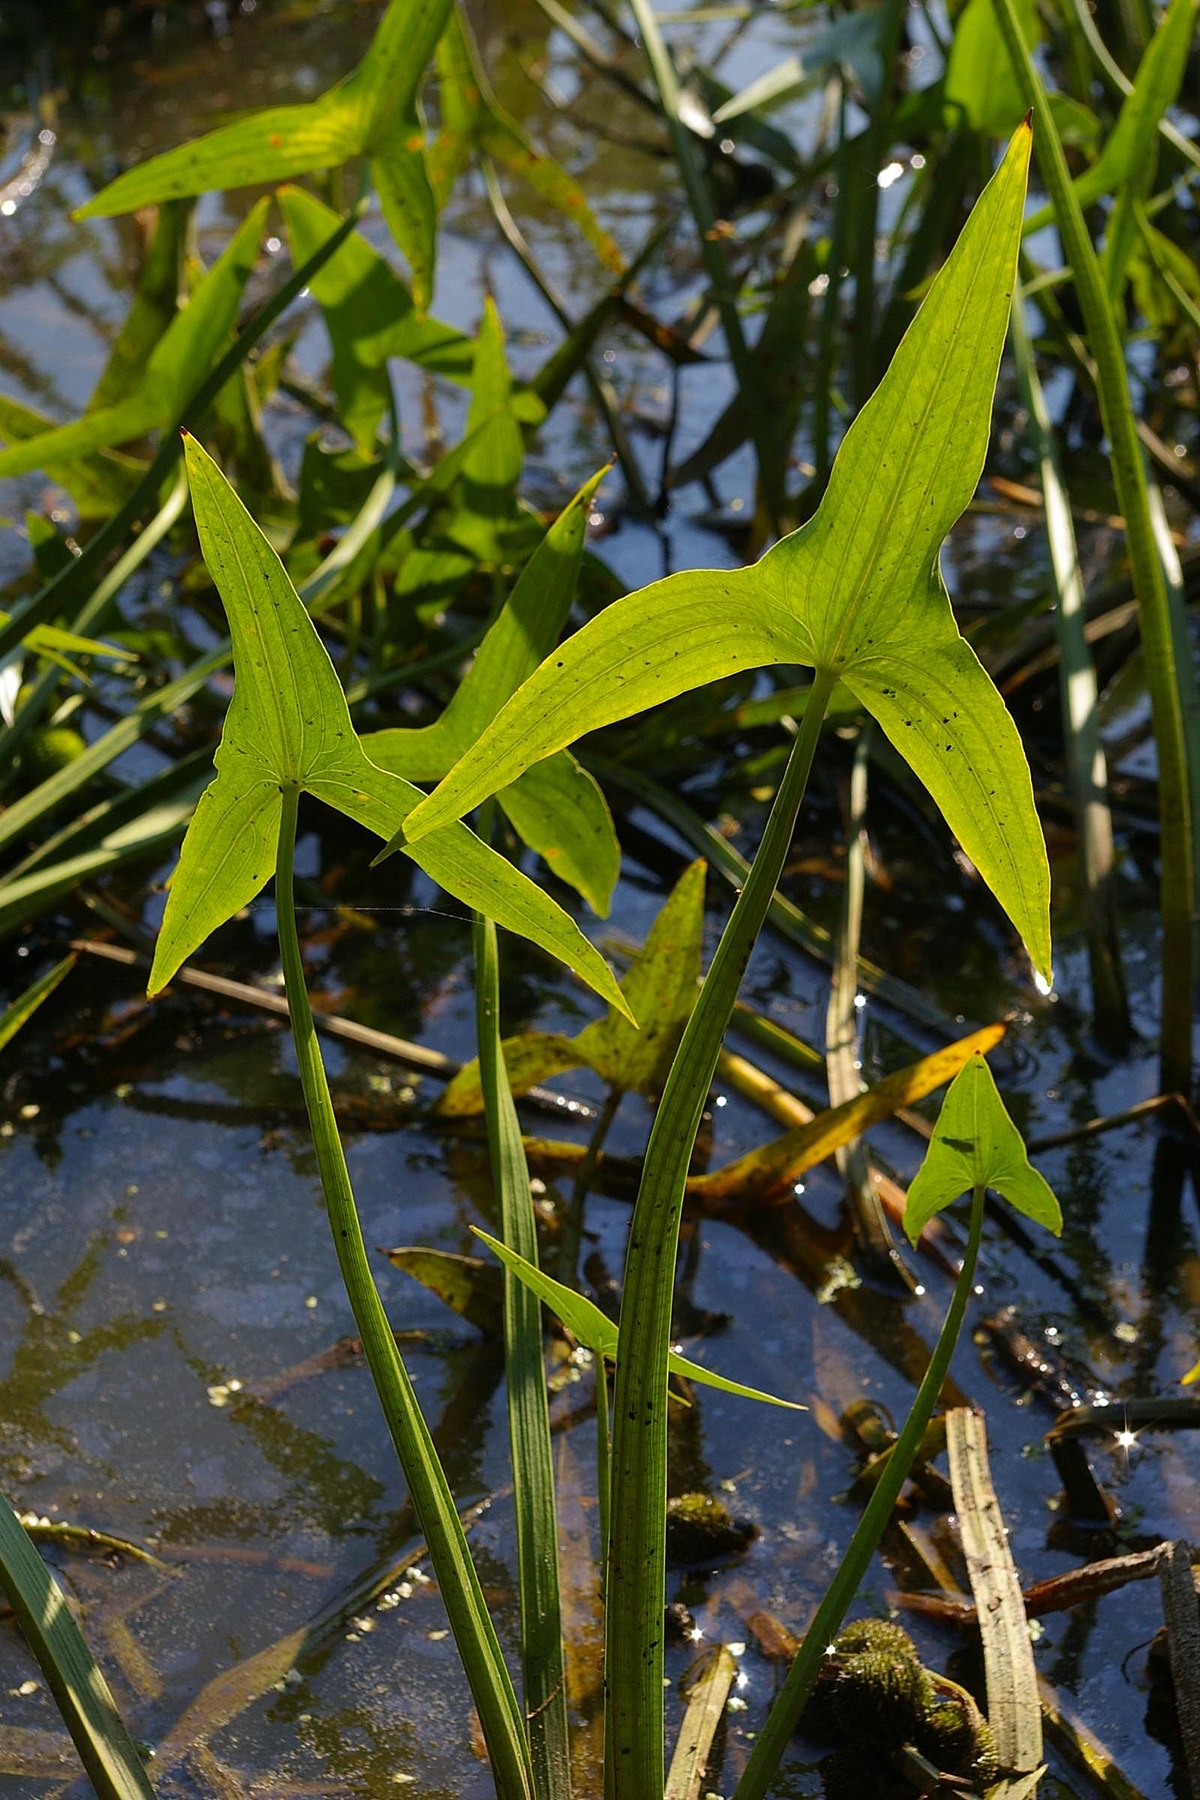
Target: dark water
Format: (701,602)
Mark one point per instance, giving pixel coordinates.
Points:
(164,1260)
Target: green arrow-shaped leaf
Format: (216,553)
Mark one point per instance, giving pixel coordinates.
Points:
(288,727)
(352,119)
(659,990)
(857,593)
(597,1332)
(975,1144)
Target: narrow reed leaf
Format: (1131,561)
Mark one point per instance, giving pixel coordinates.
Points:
(856,593)
(1105,340)
(528,1405)
(976,1145)
(25,1005)
(107,1751)
(1086,759)
(1132,146)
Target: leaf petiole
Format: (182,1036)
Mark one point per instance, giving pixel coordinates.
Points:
(474,1633)
(806,1665)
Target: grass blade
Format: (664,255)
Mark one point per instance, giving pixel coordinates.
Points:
(842,1065)
(26,1004)
(528,1408)
(80,1691)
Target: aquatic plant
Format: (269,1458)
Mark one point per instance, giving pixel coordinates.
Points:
(855,594)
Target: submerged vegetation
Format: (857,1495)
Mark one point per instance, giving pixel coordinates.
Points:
(262,579)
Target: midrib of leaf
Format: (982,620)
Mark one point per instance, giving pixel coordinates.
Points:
(899,492)
(290,769)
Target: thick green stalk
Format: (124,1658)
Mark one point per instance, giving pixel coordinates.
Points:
(784,1715)
(474,1633)
(636,1581)
(528,1408)
(1129,476)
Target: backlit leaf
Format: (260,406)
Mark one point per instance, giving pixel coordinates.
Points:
(975,1144)
(598,1333)
(176,366)
(352,119)
(856,593)
(288,725)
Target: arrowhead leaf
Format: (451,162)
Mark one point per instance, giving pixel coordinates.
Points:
(598,1333)
(660,992)
(856,593)
(352,119)
(288,726)
(975,1144)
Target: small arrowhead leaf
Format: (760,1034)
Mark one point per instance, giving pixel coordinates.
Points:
(597,1332)
(660,992)
(975,1144)
(288,726)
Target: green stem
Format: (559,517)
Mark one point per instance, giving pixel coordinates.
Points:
(1129,476)
(474,1633)
(785,1714)
(525,1382)
(572,1231)
(636,1581)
